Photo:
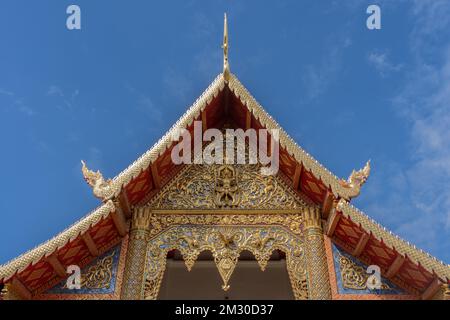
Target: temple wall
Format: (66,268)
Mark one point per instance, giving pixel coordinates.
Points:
(348,278)
(101,278)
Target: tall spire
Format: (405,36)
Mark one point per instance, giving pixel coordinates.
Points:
(226,66)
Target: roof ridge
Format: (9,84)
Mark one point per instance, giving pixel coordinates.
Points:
(46,248)
(301,155)
(417,255)
(332,181)
(161,145)
(326,176)
(335,184)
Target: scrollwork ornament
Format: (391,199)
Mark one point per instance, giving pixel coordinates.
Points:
(354,276)
(226,243)
(224,187)
(99,275)
(294,222)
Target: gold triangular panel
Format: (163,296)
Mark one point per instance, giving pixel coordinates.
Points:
(226,187)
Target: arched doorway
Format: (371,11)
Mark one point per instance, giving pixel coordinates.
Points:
(247,282)
(225,245)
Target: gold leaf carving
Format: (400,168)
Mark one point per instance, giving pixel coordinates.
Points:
(226,186)
(225,243)
(99,275)
(354,276)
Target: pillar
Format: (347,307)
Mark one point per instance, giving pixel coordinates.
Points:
(447,291)
(136,254)
(316,261)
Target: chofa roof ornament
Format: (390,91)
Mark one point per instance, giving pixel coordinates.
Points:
(357,179)
(100,187)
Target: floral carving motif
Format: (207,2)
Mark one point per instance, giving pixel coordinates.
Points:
(354,276)
(99,275)
(225,243)
(225,186)
(226,189)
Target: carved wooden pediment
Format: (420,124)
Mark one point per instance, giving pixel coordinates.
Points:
(225,187)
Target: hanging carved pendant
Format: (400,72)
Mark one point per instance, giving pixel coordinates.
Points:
(226,243)
(226,263)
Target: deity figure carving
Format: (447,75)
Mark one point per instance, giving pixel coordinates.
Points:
(226,188)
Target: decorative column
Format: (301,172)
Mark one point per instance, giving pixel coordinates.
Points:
(447,291)
(136,253)
(316,261)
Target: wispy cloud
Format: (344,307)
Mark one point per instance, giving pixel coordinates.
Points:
(146,105)
(17,102)
(66,100)
(318,77)
(419,193)
(203,26)
(177,84)
(55,91)
(429,117)
(6,92)
(382,63)
(95,157)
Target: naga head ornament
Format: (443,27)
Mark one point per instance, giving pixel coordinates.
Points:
(100,186)
(357,179)
(90,176)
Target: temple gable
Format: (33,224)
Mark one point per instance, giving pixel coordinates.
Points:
(226,187)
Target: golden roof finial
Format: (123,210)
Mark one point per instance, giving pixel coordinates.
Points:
(358,178)
(226,66)
(100,186)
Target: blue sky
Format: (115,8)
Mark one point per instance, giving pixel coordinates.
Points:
(107,92)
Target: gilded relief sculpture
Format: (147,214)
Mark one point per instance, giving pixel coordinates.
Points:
(182,217)
(226,195)
(319,282)
(99,275)
(155,206)
(225,187)
(238,193)
(135,261)
(354,276)
(226,243)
